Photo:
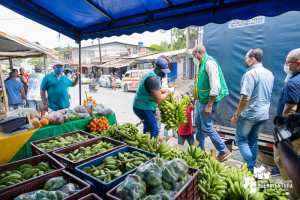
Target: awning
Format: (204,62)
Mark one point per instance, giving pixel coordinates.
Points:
(90,19)
(169,54)
(140,55)
(17,47)
(85,65)
(118,63)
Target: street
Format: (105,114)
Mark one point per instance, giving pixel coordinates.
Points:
(119,101)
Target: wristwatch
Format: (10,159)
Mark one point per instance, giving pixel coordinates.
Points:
(235,116)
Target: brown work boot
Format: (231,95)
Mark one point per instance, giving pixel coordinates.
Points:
(203,149)
(223,157)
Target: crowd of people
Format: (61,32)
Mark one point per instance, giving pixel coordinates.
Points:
(251,113)
(37,90)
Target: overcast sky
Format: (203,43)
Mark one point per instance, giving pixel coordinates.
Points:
(13,23)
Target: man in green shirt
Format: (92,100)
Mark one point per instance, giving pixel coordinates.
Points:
(56,86)
(210,88)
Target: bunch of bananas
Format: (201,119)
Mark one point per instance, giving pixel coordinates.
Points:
(24,172)
(60,142)
(194,157)
(239,192)
(271,190)
(114,167)
(174,152)
(212,185)
(163,150)
(237,175)
(82,153)
(173,113)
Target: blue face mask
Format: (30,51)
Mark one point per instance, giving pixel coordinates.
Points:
(160,74)
(58,70)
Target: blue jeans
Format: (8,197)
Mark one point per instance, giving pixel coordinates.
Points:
(189,138)
(166,132)
(15,106)
(32,104)
(246,136)
(150,124)
(204,126)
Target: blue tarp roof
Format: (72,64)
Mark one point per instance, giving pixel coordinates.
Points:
(89,19)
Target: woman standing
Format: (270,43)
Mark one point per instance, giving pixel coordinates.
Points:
(149,94)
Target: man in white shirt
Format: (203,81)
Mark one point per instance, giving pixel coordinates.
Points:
(210,88)
(34,84)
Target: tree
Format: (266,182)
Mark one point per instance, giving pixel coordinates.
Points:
(179,40)
(35,61)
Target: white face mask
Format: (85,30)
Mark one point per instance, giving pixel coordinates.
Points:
(196,61)
(287,69)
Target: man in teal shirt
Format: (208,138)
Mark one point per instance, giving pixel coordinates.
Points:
(56,86)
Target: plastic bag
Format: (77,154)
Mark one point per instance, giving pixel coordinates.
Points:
(84,115)
(73,115)
(80,109)
(177,186)
(133,188)
(103,109)
(172,170)
(39,194)
(66,118)
(70,188)
(42,195)
(185,178)
(150,173)
(63,111)
(155,190)
(54,183)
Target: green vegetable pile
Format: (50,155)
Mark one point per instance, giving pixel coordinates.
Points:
(114,167)
(173,113)
(270,192)
(23,173)
(55,188)
(60,142)
(156,180)
(82,153)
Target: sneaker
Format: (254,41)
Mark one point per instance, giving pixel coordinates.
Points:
(203,149)
(275,172)
(223,157)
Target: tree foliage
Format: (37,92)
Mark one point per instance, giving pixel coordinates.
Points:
(179,40)
(35,61)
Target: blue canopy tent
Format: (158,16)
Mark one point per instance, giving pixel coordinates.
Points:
(90,19)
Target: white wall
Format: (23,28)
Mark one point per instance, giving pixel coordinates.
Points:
(180,68)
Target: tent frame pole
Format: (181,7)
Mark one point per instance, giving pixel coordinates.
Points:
(79,42)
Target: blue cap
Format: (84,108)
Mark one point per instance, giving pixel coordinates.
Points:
(163,64)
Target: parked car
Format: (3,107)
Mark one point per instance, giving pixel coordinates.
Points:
(104,81)
(85,80)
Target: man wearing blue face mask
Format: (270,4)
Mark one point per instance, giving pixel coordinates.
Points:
(56,85)
(149,94)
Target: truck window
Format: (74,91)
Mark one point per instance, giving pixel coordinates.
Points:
(127,75)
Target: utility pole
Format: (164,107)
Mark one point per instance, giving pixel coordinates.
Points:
(68,51)
(171,41)
(100,51)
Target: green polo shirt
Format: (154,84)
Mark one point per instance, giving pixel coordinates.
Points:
(57,90)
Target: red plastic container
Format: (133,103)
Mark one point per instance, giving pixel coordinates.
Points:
(37,151)
(188,192)
(70,165)
(54,164)
(91,196)
(38,184)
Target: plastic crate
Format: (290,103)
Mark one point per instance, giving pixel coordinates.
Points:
(38,184)
(54,164)
(188,192)
(70,165)
(37,151)
(91,196)
(98,186)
